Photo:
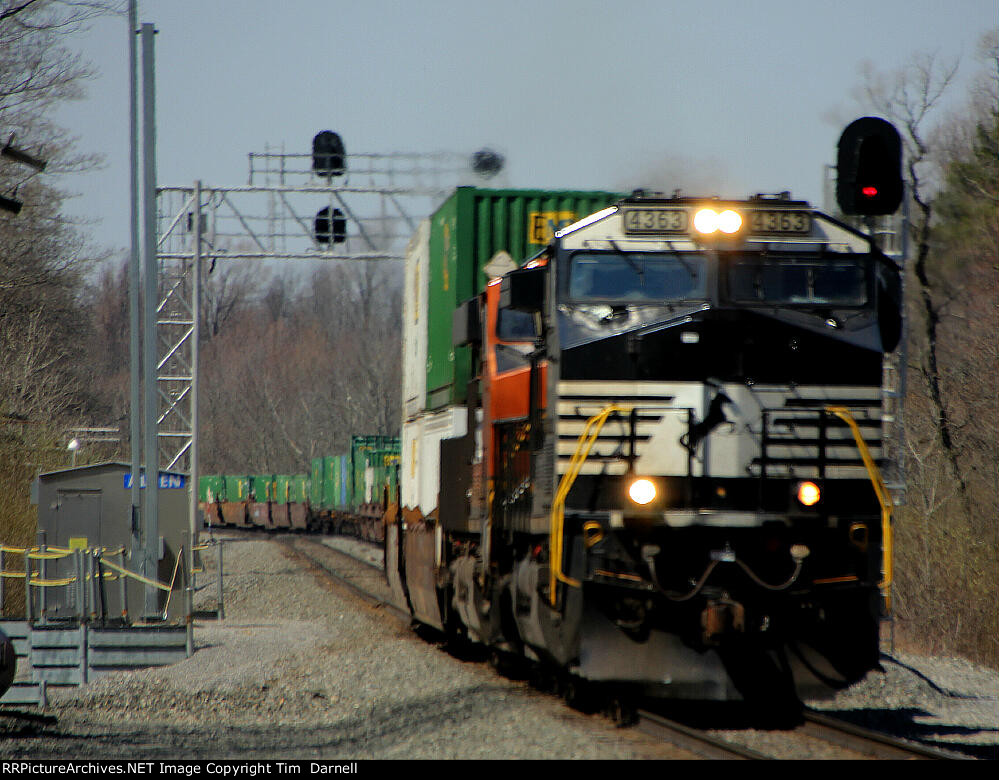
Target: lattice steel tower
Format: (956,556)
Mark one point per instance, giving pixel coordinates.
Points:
(294,206)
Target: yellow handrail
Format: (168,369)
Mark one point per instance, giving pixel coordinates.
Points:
(589,436)
(173,579)
(134,576)
(557,525)
(54,553)
(884,499)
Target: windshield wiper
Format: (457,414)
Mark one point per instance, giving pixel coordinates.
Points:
(628,260)
(689,268)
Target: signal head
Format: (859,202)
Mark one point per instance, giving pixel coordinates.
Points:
(869,168)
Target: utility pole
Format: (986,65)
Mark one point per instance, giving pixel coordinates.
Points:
(150,513)
(134,289)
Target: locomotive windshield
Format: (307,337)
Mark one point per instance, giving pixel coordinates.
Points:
(515,325)
(798,281)
(636,277)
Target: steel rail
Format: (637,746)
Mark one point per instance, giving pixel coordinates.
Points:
(874,744)
(817,725)
(373,599)
(694,740)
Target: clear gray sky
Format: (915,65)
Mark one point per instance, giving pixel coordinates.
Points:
(727,97)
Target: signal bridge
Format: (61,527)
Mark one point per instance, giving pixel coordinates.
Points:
(328,205)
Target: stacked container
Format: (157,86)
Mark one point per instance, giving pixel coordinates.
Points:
(211,493)
(465,234)
(237,497)
(261,489)
(342,483)
(475,235)
(298,501)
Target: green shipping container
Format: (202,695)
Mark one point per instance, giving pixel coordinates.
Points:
(361,448)
(465,233)
(324,485)
(237,488)
(211,489)
(281,488)
(331,481)
(262,487)
(316,483)
(298,489)
(326,488)
(383,469)
(344,489)
(355,477)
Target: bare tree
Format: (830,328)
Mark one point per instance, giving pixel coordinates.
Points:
(225,295)
(910,97)
(42,258)
(39,71)
(947,545)
(293,375)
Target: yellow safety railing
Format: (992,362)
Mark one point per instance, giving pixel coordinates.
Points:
(126,573)
(199,548)
(557,525)
(56,553)
(108,571)
(588,438)
(37,554)
(884,499)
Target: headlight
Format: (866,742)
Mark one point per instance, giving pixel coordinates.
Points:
(708,221)
(729,221)
(642,491)
(808,493)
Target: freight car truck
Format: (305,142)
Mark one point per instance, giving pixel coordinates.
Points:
(643,454)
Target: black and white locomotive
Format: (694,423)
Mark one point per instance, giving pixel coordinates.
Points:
(665,476)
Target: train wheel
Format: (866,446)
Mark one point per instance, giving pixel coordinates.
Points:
(578,694)
(506,664)
(543,679)
(622,710)
(496,660)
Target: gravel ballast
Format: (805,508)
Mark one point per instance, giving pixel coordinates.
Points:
(301,669)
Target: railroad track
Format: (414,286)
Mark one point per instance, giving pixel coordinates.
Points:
(863,742)
(360,577)
(696,741)
(872,744)
(365,579)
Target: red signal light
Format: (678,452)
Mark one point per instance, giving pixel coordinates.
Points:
(869,168)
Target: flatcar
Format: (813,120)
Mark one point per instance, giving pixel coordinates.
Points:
(343,493)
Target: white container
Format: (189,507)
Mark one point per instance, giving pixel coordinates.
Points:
(415,305)
(420,470)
